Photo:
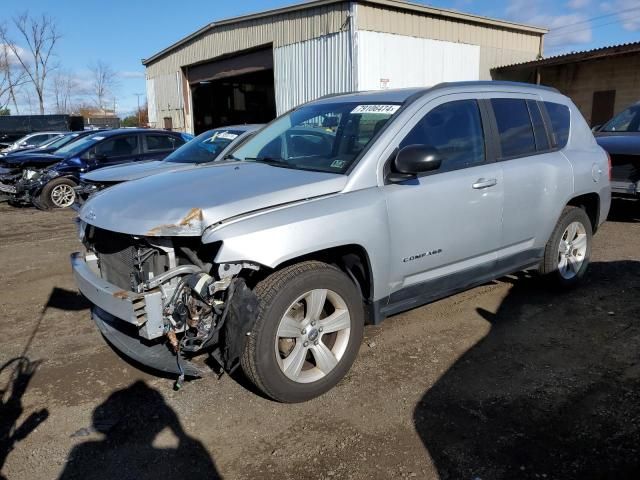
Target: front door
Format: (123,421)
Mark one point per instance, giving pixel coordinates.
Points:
(445,226)
(117,150)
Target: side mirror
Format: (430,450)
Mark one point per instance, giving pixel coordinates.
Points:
(413,160)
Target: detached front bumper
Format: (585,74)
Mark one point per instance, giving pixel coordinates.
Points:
(128,320)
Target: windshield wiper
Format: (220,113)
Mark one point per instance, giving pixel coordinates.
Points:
(231,156)
(276,162)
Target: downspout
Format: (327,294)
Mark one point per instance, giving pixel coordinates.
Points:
(353,44)
(540,55)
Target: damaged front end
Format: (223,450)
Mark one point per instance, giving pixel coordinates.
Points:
(22,184)
(162,300)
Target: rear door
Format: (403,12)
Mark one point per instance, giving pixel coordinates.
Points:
(537,176)
(158,145)
(445,226)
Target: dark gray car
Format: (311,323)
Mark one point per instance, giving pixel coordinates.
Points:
(210,146)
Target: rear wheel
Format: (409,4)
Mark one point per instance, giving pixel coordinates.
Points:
(58,193)
(307,334)
(567,254)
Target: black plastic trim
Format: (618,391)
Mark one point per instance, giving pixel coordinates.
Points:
(432,290)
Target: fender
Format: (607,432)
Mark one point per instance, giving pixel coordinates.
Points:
(275,236)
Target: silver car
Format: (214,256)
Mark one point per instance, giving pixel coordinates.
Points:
(342,212)
(210,146)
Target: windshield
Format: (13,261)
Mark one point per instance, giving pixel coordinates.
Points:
(326,137)
(58,141)
(78,146)
(626,121)
(206,147)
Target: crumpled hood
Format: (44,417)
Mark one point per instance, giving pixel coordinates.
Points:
(186,202)
(30,160)
(133,171)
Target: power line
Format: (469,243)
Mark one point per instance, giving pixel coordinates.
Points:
(589,20)
(590,27)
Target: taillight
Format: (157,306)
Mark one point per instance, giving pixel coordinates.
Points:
(609,161)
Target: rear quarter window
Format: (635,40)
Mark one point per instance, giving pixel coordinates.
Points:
(560,119)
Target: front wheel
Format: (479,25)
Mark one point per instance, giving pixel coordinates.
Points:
(58,193)
(567,254)
(307,334)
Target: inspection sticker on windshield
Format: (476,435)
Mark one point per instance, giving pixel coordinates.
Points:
(338,164)
(381,109)
(227,135)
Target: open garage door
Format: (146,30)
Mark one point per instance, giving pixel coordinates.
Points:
(233,90)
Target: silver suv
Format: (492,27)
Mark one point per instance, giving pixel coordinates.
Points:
(342,212)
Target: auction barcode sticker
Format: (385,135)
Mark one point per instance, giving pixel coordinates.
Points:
(383,109)
(227,135)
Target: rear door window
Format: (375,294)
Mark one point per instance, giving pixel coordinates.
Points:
(514,127)
(560,123)
(156,143)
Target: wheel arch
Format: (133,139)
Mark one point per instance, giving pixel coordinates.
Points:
(353,259)
(590,203)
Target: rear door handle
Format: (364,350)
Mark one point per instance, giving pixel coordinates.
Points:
(484,183)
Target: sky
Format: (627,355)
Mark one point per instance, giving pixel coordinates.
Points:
(121,33)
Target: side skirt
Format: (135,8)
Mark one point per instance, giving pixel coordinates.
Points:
(432,290)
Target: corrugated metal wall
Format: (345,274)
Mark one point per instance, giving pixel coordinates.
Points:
(151,102)
(307,70)
(396,61)
(499,46)
(168,100)
(279,30)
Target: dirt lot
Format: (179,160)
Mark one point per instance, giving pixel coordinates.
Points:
(505,381)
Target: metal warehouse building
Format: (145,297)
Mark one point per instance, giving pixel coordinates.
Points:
(251,68)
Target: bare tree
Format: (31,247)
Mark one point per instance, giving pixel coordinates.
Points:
(12,77)
(65,88)
(104,80)
(40,35)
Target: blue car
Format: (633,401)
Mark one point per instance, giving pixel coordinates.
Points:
(48,180)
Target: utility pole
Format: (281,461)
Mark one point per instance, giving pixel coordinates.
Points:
(138,95)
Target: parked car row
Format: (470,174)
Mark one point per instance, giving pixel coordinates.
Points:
(341,212)
(47,178)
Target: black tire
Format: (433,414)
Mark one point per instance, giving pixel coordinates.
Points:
(549,266)
(275,294)
(45,198)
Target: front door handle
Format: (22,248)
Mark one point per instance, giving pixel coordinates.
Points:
(484,183)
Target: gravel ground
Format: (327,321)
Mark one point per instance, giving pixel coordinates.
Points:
(507,380)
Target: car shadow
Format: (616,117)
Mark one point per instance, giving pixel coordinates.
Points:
(624,210)
(142,438)
(20,371)
(552,391)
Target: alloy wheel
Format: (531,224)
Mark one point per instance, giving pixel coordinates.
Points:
(312,335)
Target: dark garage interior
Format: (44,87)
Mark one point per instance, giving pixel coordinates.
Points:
(233,90)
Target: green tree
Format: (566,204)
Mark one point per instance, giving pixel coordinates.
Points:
(5,111)
(130,121)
